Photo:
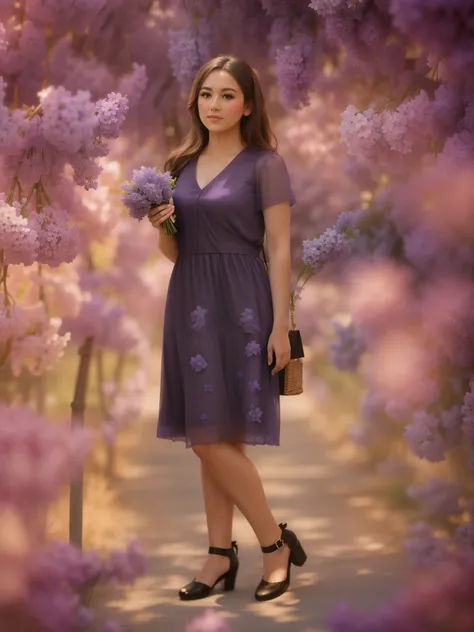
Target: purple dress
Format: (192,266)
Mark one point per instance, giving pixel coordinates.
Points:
(216,384)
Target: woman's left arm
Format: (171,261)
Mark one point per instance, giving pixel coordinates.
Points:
(277,229)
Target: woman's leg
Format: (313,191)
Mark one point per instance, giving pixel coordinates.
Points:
(238,478)
(219,514)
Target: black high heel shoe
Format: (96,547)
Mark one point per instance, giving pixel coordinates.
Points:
(271,590)
(198,590)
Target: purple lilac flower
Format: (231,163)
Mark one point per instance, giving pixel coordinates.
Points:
(294,68)
(252,348)
(126,566)
(346,351)
(248,321)
(350,220)
(254,386)
(255,414)
(198,318)
(69,120)
(423,547)
(409,125)
(438,497)
(148,188)
(198,363)
(330,246)
(134,84)
(203,417)
(424,437)
(111,113)
(208,388)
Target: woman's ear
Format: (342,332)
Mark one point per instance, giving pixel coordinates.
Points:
(248,109)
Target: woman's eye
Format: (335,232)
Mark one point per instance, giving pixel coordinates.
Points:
(228,96)
(205,94)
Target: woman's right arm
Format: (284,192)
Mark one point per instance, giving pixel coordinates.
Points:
(166,243)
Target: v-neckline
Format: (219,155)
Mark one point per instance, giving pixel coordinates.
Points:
(201,189)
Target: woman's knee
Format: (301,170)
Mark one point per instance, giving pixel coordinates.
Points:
(203,451)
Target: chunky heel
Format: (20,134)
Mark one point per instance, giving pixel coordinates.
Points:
(230,579)
(198,590)
(298,556)
(271,590)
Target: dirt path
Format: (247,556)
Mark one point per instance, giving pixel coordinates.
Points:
(353,551)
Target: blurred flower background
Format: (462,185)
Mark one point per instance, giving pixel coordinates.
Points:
(372,102)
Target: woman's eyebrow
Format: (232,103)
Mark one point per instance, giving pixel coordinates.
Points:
(223,89)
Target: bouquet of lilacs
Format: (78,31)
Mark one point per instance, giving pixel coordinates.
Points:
(148,189)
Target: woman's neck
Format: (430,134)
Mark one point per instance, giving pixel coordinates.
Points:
(224,144)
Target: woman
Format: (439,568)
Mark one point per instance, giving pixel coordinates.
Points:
(226,320)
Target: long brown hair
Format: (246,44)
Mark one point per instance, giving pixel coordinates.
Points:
(254,128)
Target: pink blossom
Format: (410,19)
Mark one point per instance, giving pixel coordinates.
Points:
(13,322)
(38,352)
(36,457)
(18,240)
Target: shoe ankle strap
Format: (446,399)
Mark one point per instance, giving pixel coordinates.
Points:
(215,550)
(279,544)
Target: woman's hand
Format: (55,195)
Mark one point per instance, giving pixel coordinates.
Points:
(278,344)
(161,213)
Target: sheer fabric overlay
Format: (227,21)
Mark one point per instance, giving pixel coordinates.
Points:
(216,384)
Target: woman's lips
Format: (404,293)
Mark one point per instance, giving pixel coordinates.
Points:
(215,118)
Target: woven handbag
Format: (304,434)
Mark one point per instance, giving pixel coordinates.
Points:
(291,377)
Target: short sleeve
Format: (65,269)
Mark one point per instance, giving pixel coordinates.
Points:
(273,181)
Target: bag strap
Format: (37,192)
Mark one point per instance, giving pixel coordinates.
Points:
(292,301)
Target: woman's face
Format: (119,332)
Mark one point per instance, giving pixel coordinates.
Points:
(221,102)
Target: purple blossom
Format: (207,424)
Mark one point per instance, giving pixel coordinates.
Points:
(134,84)
(203,417)
(18,239)
(252,348)
(125,566)
(424,437)
(294,69)
(438,497)
(111,113)
(318,252)
(148,188)
(423,547)
(189,48)
(410,126)
(248,321)
(198,318)
(198,363)
(254,414)
(69,120)
(208,388)
(58,241)
(346,351)
(254,386)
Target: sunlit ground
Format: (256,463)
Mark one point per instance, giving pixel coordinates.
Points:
(336,506)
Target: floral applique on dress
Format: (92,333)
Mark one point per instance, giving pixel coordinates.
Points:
(198,318)
(198,363)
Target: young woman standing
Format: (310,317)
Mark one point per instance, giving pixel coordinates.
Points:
(226,320)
